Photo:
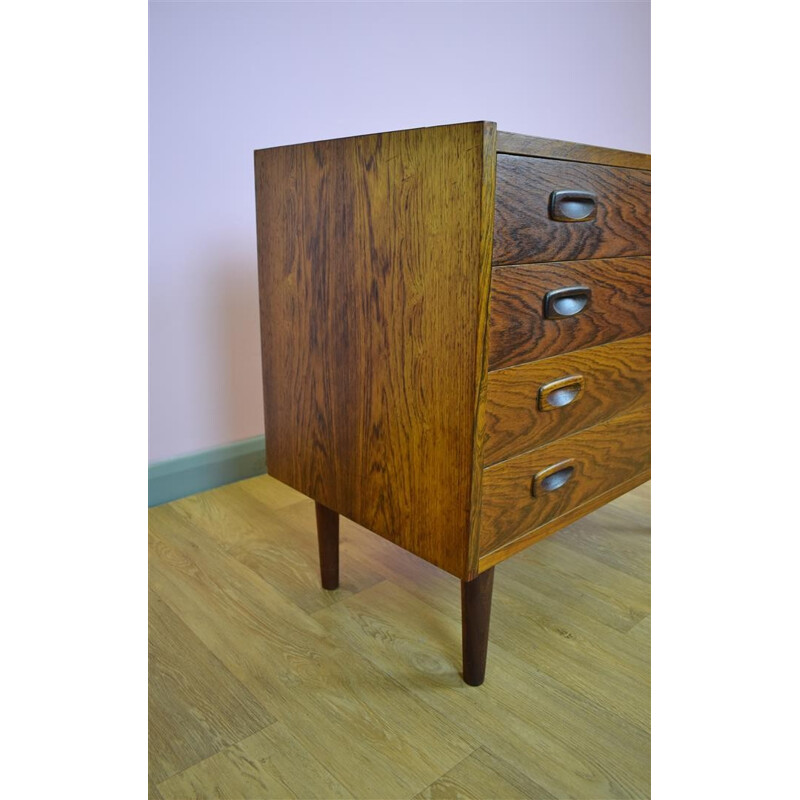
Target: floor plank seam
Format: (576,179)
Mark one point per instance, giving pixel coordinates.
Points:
(446,772)
(197,763)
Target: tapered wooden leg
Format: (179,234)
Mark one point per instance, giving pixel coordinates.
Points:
(328,539)
(476,607)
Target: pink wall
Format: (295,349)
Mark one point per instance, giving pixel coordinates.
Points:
(228,78)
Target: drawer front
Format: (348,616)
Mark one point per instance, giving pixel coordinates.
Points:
(535,403)
(530,490)
(531,225)
(617,295)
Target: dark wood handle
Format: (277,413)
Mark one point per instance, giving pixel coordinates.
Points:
(567,302)
(573,206)
(560,393)
(552,478)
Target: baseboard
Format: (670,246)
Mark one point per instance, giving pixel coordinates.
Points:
(179,477)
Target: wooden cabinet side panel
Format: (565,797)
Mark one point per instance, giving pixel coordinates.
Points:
(371,285)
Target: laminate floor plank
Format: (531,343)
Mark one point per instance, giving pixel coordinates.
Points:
(196,706)
(619,538)
(576,580)
(152,790)
(395,744)
(357,692)
(237,518)
(270,763)
(550,616)
(637,501)
(482,775)
(640,634)
(599,666)
(519,711)
(271,493)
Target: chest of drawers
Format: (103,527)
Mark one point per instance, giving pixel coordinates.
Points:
(455,340)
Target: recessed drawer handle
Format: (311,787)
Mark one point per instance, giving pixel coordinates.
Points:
(552,478)
(568,302)
(572,206)
(560,393)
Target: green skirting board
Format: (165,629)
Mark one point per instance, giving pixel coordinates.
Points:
(179,477)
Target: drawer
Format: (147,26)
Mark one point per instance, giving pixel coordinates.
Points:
(525,229)
(520,495)
(535,403)
(616,292)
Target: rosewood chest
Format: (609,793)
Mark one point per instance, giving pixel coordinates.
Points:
(455,338)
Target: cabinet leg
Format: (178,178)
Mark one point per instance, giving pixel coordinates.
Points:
(476,607)
(328,539)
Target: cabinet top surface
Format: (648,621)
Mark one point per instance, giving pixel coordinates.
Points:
(522,144)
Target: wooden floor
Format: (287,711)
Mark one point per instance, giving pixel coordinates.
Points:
(263,685)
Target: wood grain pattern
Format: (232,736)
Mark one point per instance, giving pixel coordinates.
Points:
(524,232)
(197,706)
(264,765)
(561,637)
(292,667)
(518,331)
(482,775)
(515,546)
(574,590)
(521,145)
(482,353)
(379,333)
(555,708)
(615,544)
(373,262)
(605,455)
(237,520)
(616,377)
(565,709)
